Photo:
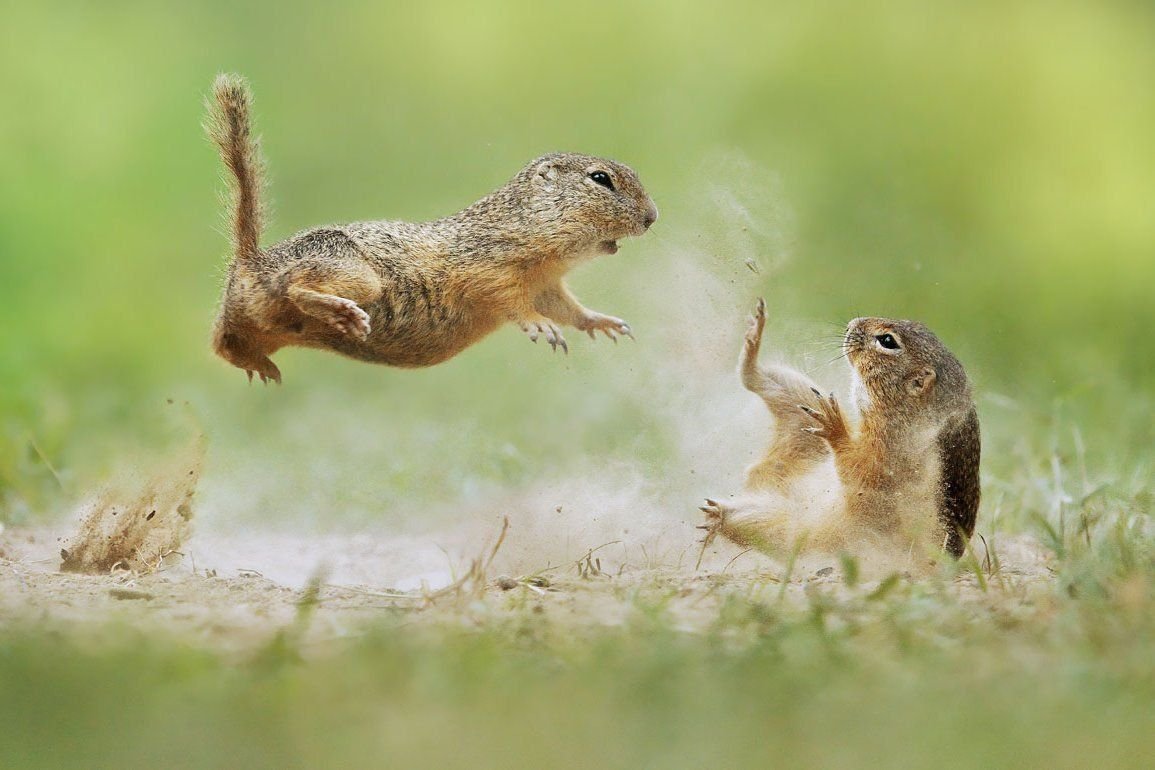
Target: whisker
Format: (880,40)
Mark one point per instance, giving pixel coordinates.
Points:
(836,358)
(829,344)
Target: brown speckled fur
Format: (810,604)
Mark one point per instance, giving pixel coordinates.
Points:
(413,295)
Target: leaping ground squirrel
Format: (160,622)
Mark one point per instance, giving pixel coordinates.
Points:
(414,295)
(907,477)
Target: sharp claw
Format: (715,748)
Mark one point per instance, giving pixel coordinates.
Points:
(591,333)
(817,392)
(249,372)
(564,346)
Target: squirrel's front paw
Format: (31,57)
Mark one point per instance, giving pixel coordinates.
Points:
(831,426)
(546,330)
(607,324)
(347,317)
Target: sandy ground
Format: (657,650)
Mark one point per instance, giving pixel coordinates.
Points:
(235,592)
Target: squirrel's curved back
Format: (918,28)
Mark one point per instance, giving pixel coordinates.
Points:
(229,124)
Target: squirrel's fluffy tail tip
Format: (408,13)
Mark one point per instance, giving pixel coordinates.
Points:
(231,90)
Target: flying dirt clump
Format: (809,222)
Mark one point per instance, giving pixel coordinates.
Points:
(135,530)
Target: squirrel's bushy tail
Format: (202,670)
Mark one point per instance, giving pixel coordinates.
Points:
(230,126)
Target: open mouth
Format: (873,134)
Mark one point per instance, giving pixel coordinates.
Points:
(610,247)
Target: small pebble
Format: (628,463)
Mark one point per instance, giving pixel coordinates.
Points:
(505,582)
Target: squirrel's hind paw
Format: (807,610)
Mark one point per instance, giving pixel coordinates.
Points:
(715,512)
(347,317)
(267,371)
(715,519)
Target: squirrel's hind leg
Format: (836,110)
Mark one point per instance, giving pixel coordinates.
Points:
(775,524)
(330,281)
(752,521)
(344,315)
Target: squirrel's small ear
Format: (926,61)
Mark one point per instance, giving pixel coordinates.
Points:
(921,382)
(546,174)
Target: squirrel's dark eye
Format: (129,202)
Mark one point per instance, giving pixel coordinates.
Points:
(887,341)
(603,179)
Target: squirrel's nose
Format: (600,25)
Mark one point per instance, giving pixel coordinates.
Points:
(651,215)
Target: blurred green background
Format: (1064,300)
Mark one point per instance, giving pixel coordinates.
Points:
(987,167)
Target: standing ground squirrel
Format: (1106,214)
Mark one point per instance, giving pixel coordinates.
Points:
(909,475)
(409,294)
